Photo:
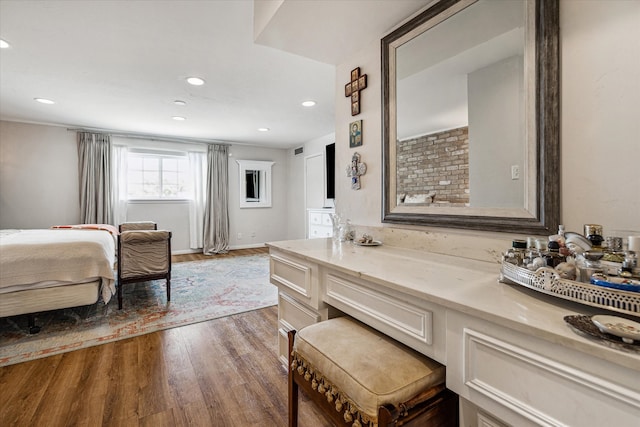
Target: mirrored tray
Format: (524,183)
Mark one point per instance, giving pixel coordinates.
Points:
(547,281)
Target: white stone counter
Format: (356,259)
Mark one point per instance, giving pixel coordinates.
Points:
(464,285)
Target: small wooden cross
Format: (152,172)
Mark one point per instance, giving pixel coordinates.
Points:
(353,88)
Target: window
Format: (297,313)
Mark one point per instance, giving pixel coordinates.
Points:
(158,175)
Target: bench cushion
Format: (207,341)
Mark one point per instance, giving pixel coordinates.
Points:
(361,366)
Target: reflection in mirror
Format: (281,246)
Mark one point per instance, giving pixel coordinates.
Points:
(252,183)
(470,116)
(255,183)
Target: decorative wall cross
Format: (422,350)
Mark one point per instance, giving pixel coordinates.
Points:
(355,170)
(353,88)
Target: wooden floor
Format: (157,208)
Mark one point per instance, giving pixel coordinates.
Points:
(237,252)
(224,372)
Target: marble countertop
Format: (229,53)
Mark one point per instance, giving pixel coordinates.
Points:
(461,284)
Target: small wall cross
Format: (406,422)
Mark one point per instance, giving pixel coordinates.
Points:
(353,88)
(355,170)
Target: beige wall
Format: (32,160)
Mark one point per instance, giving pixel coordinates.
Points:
(38,176)
(600,132)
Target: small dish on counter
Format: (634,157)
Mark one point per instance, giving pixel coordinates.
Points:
(371,243)
(619,326)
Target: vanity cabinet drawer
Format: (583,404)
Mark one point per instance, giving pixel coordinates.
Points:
(296,277)
(527,381)
(293,315)
(416,323)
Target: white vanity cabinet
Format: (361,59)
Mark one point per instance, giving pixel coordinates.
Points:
(299,296)
(526,381)
(319,223)
(509,354)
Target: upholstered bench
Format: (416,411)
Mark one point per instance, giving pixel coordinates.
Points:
(362,378)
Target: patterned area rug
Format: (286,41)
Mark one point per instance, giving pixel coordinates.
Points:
(200,290)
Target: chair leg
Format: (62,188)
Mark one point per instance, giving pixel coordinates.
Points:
(293,387)
(119,286)
(168,289)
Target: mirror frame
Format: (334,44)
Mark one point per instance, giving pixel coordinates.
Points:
(547,125)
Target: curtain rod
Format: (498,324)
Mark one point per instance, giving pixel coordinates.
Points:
(149,137)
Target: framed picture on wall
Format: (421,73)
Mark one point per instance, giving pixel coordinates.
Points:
(355,134)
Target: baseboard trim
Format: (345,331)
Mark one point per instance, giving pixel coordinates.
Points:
(249,246)
(234,247)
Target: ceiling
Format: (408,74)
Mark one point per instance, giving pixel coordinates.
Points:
(120,66)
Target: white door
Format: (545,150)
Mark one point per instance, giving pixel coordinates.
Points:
(314,183)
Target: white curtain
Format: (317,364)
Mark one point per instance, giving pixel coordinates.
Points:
(216,215)
(197,166)
(119,184)
(95,173)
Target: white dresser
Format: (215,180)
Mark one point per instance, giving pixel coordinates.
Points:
(319,223)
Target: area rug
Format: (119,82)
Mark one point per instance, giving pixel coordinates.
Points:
(200,291)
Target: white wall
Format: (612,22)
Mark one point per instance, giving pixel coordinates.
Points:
(600,119)
(258,225)
(600,130)
(39,188)
(38,176)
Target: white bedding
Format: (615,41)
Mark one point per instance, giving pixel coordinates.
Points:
(32,259)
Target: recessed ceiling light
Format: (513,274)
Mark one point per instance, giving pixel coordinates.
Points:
(263,129)
(179,118)
(4,44)
(308,103)
(196,81)
(178,102)
(44,101)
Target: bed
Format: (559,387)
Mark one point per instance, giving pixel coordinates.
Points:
(61,267)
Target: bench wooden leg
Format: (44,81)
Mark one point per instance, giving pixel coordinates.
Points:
(119,286)
(293,386)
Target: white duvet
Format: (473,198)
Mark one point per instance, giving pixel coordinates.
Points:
(31,259)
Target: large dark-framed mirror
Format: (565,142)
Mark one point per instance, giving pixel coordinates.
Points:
(470,107)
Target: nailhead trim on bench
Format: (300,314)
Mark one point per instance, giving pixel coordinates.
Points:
(333,394)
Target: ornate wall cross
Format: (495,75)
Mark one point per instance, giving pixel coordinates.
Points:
(353,88)
(355,170)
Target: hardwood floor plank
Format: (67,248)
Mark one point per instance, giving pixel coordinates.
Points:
(93,386)
(121,400)
(181,375)
(153,379)
(22,389)
(59,404)
(194,414)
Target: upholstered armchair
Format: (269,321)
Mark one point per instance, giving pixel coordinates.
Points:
(144,253)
